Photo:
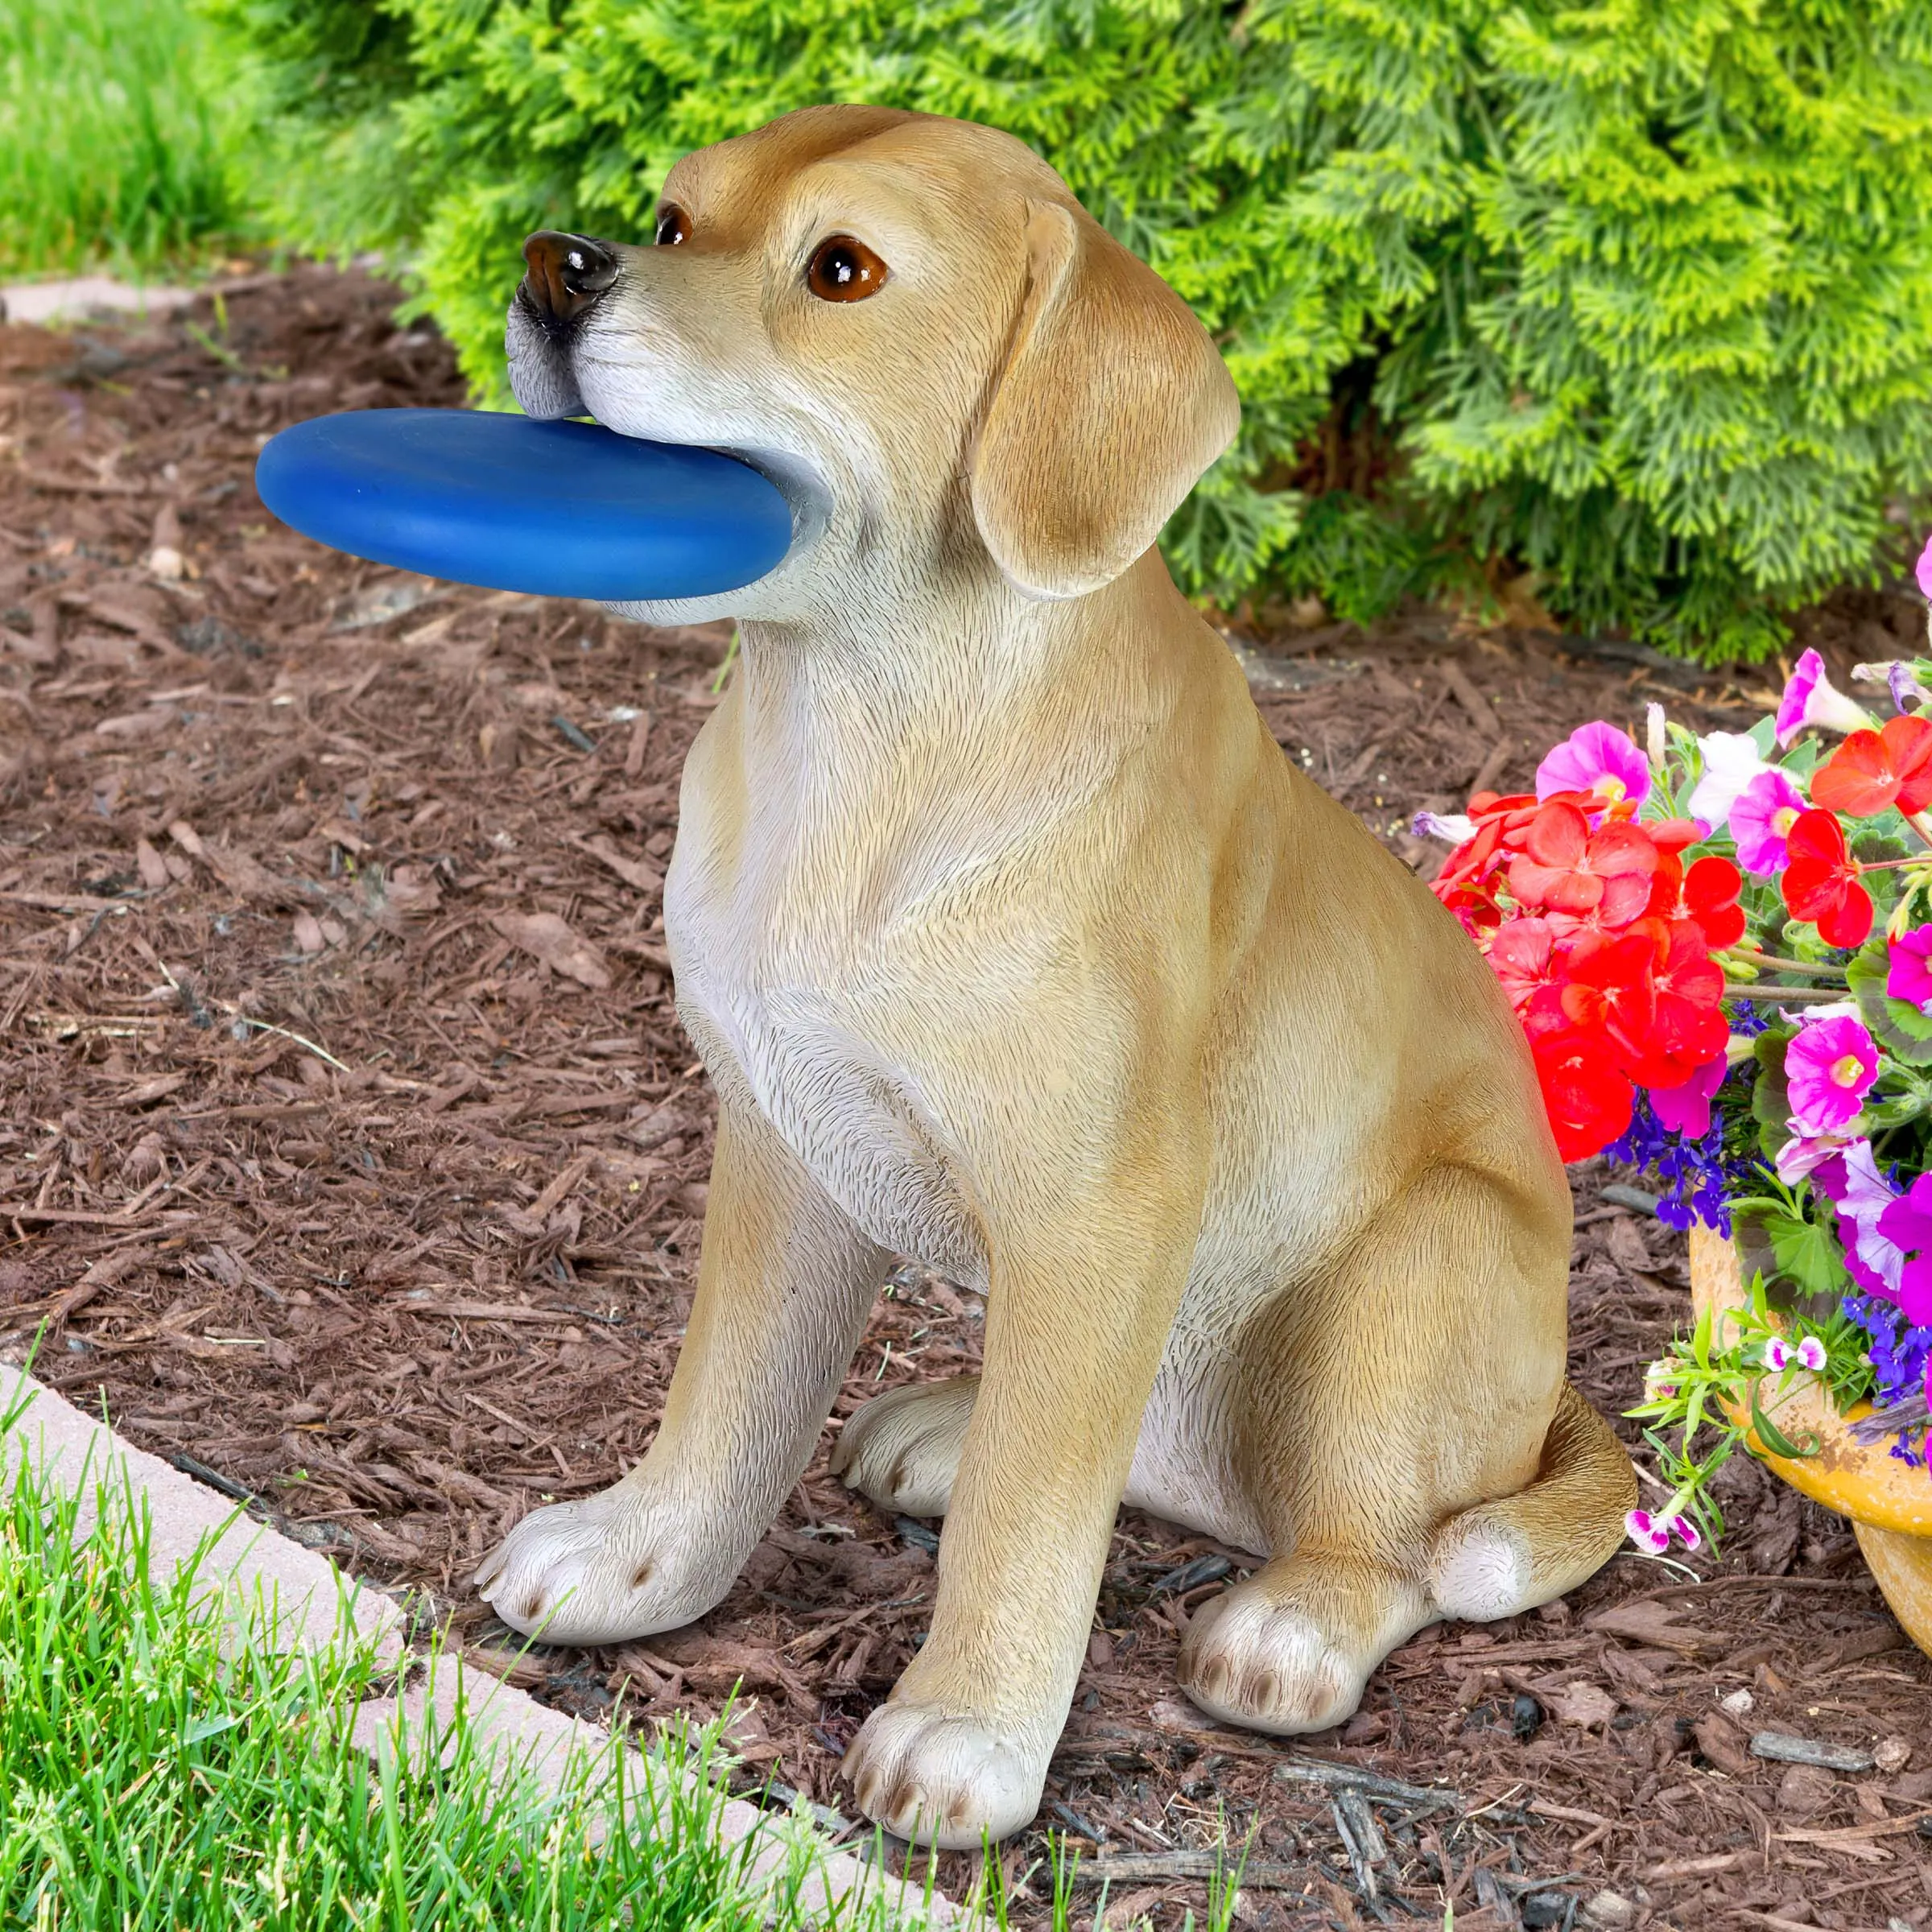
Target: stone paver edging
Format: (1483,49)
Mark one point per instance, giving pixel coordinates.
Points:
(80,296)
(249,1562)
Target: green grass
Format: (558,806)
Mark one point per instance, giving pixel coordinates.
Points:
(146,1780)
(156,1775)
(115,135)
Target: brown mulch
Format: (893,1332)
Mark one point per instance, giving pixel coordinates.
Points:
(350,1146)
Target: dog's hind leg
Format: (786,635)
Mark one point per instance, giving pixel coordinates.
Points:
(902,1449)
(1385,1400)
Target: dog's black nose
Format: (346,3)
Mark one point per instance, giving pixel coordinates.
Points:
(568,273)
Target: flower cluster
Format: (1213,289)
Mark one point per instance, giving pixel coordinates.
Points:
(1602,936)
(1719,949)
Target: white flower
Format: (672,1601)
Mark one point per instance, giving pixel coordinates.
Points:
(1810,1353)
(1458,828)
(1731,761)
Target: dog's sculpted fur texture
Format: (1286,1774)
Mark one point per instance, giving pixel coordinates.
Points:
(1012,942)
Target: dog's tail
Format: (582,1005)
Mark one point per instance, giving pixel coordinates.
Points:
(1509,1555)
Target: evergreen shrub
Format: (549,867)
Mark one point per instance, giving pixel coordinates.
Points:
(1633,294)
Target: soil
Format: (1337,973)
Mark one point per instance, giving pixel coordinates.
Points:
(352,1154)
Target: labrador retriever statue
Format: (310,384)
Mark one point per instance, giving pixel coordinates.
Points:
(1013,942)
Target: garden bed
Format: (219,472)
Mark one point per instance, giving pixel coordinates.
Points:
(348,1137)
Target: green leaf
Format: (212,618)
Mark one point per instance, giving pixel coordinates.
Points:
(1771,1092)
(1773,1437)
(1807,1254)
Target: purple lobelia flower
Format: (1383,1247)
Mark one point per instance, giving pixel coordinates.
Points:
(1761,819)
(1696,1181)
(1810,698)
(1909,971)
(1831,1067)
(1595,757)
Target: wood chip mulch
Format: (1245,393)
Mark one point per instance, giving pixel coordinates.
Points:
(352,1154)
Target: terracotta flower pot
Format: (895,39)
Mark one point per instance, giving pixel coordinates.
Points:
(1889,1503)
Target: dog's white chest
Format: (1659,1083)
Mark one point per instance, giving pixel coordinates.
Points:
(793,1042)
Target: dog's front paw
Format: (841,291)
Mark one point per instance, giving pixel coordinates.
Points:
(953,1781)
(1269,1667)
(598,1571)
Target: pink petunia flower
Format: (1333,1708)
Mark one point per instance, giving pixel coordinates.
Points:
(1830,1067)
(1595,757)
(1765,811)
(1686,1109)
(1861,1195)
(1810,698)
(1908,1222)
(1909,974)
(1924,569)
(1806,1153)
(1685,1531)
(1779,1354)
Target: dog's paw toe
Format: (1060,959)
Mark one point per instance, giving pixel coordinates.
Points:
(926,1775)
(902,1449)
(1270,1668)
(586,1573)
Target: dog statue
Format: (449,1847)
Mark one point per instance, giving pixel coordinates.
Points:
(1012,942)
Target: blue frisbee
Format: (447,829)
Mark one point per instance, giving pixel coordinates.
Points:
(559,510)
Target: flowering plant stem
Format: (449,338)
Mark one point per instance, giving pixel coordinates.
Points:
(1739,1363)
(1757,989)
(1772,963)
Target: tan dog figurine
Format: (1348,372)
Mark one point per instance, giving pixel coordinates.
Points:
(1014,943)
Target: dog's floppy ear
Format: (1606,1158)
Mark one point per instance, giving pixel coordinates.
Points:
(1113,401)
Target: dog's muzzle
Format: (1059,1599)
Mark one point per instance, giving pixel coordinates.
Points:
(568,274)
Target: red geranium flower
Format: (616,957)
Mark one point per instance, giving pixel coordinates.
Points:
(1711,892)
(1871,770)
(1587,1100)
(1565,867)
(1690,1029)
(1523,956)
(1821,882)
(1608,989)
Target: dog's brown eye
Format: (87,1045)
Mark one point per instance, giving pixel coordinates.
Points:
(844,271)
(674,225)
